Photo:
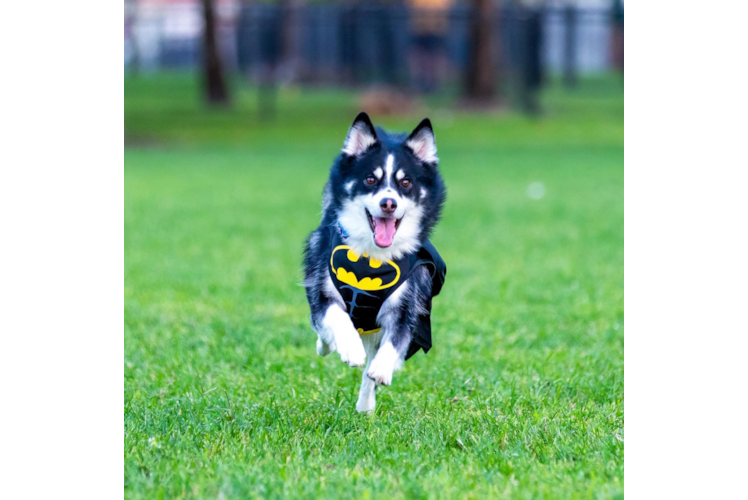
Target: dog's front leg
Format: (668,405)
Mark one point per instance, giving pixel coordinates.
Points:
(337,329)
(398,317)
(389,357)
(395,337)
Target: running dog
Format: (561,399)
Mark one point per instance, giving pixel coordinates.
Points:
(369,270)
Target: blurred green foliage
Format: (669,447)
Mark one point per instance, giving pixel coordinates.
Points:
(167,108)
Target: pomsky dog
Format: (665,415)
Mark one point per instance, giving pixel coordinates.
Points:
(369,270)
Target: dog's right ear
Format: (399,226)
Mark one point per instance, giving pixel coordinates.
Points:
(361,136)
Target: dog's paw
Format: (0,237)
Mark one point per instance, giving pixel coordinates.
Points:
(380,373)
(324,349)
(384,363)
(366,405)
(367,398)
(351,350)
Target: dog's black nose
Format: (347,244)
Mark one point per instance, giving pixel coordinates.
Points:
(388,205)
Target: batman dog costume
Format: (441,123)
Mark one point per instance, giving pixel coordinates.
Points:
(365,283)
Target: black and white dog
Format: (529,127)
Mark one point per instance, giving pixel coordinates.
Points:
(370,271)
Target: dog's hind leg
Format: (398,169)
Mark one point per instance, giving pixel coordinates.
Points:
(367,399)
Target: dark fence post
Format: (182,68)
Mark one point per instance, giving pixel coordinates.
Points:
(271,30)
(570,45)
(216,91)
(532,71)
(481,71)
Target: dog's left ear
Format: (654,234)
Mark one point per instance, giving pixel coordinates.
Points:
(423,143)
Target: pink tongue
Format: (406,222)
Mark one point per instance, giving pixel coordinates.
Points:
(384,231)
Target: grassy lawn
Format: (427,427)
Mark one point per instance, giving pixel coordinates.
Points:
(224,396)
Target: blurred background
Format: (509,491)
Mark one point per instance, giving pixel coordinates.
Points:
(486,53)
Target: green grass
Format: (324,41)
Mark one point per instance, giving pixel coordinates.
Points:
(224,396)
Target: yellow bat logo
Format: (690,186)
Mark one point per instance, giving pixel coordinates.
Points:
(367,283)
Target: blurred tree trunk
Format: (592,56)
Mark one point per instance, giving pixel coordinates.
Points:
(617,47)
(214,83)
(132,19)
(481,73)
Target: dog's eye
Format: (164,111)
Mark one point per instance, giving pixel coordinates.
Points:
(370,180)
(405,183)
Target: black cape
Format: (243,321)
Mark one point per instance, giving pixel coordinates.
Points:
(365,283)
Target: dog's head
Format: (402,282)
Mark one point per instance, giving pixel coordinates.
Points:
(385,189)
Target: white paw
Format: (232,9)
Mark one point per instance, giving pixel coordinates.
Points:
(380,372)
(367,404)
(324,349)
(351,349)
(367,398)
(384,363)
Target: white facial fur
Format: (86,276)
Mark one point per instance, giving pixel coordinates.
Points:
(353,218)
(388,168)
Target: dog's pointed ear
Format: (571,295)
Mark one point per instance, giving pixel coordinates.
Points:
(423,143)
(361,136)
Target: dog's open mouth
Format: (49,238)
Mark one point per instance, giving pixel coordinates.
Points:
(384,229)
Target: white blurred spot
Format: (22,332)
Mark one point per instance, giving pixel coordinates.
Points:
(536,190)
